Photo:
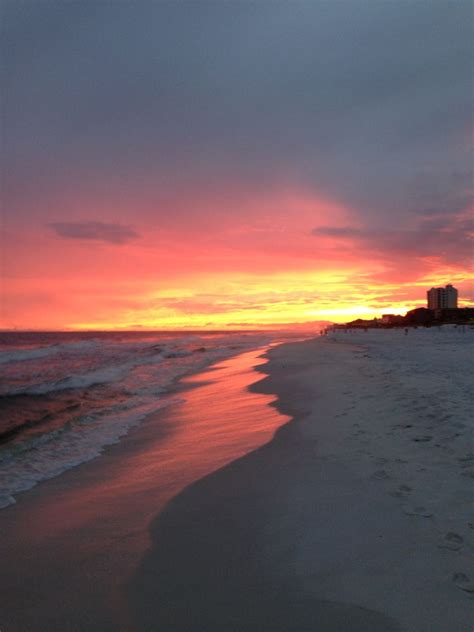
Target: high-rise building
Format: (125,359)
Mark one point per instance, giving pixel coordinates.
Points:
(442,297)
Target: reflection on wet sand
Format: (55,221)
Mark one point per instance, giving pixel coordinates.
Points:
(78,538)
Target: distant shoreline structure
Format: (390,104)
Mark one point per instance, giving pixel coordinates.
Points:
(442,310)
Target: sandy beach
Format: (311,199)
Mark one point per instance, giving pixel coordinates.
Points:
(350,519)
(383,494)
(355,516)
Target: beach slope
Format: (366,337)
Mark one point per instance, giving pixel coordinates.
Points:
(355,517)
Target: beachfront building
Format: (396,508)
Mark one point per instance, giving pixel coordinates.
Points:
(392,319)
(442,297)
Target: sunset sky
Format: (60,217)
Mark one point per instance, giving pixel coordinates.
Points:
(233,164)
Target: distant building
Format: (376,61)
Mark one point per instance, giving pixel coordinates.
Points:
(442,297)
(459,315)
(419,316)
(392,319)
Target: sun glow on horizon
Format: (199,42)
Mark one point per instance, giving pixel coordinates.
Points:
(264,273)
(244,302)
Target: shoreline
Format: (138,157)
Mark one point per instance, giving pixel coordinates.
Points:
(223,552)
(323,528)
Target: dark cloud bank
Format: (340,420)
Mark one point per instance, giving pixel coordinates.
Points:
(365,102)
(451,239)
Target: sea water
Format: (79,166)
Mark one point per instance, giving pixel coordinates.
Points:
(65,396)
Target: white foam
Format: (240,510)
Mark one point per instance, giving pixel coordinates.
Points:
(84,380)
(53,453)
(23,355)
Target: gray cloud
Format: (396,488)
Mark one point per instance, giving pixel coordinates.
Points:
(350,99)
(96,231)
(336,231)
(450,238)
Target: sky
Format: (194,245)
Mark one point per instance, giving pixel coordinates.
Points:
(232,164)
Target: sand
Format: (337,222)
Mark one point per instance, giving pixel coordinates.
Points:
(357,516)
(384,498)
(342,522)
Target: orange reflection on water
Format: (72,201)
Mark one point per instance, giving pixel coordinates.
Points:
(219,421)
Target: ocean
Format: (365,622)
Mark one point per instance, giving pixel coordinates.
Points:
(65,396)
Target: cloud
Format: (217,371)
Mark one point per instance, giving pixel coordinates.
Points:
(448,238)
(449,193)
(352,100)
(95,231)
(336,231)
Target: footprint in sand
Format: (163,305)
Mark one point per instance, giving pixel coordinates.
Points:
(446,417)
(380,475)
(462,581)
(452,541)
(401,492)
(417,511)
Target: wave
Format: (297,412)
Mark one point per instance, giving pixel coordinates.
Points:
(55,452)
(138,355)
(35,353)
(134,374)
(85,380)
